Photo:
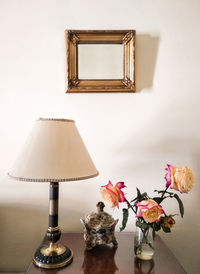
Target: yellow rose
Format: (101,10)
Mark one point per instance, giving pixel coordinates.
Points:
(178,178)
(182,179)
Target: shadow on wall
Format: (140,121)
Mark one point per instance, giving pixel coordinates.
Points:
(148,155)
(182,148)
(146,54)
(21,233)
(161,133)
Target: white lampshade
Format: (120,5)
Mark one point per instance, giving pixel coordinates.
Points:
(53,152)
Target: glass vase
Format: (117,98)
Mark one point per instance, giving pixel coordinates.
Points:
(144,244)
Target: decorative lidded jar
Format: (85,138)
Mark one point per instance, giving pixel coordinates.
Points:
(99,228)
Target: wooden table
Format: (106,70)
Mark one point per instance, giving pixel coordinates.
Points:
(109,260)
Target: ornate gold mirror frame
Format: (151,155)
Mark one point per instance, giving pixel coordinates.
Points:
(124,37)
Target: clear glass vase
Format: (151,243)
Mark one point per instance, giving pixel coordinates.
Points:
(144,244)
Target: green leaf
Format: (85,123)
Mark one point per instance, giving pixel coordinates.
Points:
(138,193)
(125,218)
(142,225)
(181,207)
(166,229)
(157,226)
(139,224)
(133,200)
(159,191)
(138,198)
(143,196)
(158,199)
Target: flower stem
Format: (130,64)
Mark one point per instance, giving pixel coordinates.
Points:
(164,192)
(129,205)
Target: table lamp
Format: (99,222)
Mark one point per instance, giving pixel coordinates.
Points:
(54,152)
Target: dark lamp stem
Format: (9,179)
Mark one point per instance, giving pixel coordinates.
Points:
(53,204)
(53,254)
(53,232)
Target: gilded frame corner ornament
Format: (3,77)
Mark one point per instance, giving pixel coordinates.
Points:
(124,37)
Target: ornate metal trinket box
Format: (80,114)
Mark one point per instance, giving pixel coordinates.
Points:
(99,228)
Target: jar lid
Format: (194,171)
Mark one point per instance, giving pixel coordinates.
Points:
(100,218)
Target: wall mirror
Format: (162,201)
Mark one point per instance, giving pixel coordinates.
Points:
(100,60)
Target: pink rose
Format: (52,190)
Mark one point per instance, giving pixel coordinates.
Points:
(149,210)
(168,175)
(178,178)
(113,195)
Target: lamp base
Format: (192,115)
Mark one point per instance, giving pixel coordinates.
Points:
(52,256)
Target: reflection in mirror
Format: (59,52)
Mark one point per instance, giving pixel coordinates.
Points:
(100,61)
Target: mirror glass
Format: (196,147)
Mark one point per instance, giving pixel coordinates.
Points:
(100,61)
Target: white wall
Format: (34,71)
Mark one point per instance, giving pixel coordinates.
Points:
(131,137)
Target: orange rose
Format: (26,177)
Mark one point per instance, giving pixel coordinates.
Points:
(153,214)
(149,210)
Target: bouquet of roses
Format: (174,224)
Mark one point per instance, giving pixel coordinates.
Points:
(148,210)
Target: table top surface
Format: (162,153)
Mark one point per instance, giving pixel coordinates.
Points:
(110,260)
